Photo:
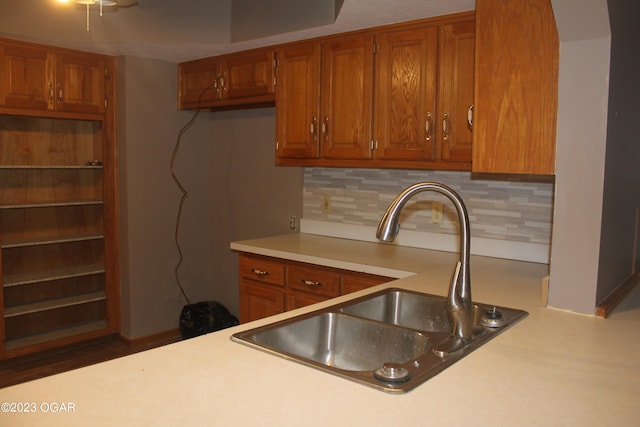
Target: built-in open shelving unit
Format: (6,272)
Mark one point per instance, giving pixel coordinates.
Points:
(58,210)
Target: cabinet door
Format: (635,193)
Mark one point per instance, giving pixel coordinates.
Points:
(258,301)
(405,94)
(347,97)
(298,102)
(80,83)
(298,300)
(357,282)
(197,85)
(27,77)
(248,75)
(455,90)
(516,87)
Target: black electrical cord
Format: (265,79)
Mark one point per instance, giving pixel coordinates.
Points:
(180,186)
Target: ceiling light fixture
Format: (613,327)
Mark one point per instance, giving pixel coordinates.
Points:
(101,4)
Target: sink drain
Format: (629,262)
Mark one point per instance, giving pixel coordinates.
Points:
(392,372)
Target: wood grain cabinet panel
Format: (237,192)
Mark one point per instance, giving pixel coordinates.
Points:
(262,269)
(45,78)
(302,284)
(298,102)
(58,209)
(197,83)
(27,77)
(395,97)
(406,94)
(347,98)
(239,80)
(516,87)
(316,280)
(258,301)
(455,91)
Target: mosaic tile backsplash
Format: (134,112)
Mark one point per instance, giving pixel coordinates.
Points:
(508,208)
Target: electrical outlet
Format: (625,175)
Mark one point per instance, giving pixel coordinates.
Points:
(293,223)
(325,204)
(436,212)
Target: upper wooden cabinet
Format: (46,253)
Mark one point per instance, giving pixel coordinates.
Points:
(243,79)
(50,79)
(394,97)
(324,101)
(455,91)
(298,102)
(424,92)
(406,94)
(516,87)
(346,98)
(197,84)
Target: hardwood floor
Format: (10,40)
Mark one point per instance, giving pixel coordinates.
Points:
(34,366)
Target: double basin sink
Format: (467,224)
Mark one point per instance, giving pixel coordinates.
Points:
(387,340)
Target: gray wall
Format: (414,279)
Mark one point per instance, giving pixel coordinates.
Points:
(225,162)
(582,110)
(250,197)
(621,204)
(147,127)
(594,241)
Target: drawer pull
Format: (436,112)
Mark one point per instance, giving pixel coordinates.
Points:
(261,273)
(312,283)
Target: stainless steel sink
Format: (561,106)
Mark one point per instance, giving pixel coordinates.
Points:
(343,342)
(415,310)
(387,340)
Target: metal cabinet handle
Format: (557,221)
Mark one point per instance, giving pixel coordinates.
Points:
(470,116)
(445,127)
(259,272)
(59,93)
(313,126)
(311,283)
(220,86)
(428,125)
(325,127)
(52,93)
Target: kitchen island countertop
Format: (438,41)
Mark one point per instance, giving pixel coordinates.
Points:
(553,368)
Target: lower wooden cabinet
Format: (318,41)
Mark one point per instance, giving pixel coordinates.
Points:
(270,286)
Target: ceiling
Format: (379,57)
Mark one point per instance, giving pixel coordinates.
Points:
(180,30)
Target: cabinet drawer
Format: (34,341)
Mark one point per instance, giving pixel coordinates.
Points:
(317,281)
(262,270)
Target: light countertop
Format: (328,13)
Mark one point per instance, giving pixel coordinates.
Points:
(553,368)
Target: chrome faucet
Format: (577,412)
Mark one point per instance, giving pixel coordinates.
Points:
(459,303)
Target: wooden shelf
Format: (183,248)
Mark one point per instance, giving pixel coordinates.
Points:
(50,204)
(37,307)
(98,167)
(55,335)
(58,199)
(18,243)
(47,276)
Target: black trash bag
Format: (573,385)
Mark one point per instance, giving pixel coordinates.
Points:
(204,317)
